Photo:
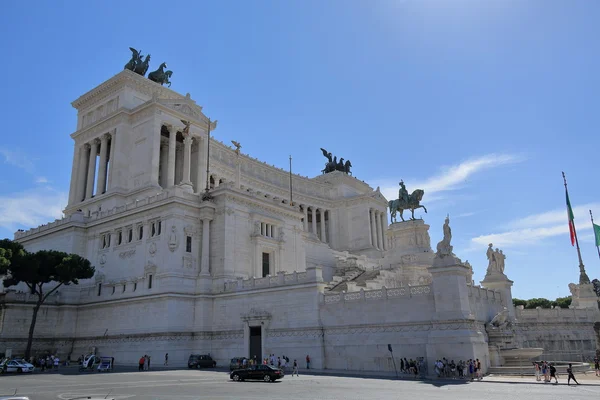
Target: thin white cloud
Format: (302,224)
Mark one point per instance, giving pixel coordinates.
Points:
(31,208)
(557,216)
(533,229)
(41,179)
(452,177)
(17,159)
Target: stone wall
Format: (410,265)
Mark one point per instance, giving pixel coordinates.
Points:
(564,334)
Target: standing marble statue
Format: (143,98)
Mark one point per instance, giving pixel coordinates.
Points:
(495,260)
(444,248)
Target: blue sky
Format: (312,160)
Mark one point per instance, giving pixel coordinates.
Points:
(480,103)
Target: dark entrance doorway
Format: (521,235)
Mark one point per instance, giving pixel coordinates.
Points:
(256,343)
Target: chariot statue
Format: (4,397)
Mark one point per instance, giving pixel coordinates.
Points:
(136,58)
(333,164)
(406,201)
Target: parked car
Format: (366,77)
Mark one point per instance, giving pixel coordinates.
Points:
(265,373)
(236,363)
(15,366)
(201,361)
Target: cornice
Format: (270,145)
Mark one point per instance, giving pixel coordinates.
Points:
(120,80)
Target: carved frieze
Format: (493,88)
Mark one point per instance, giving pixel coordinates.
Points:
(127,254)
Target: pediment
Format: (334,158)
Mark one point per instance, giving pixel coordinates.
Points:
(184,106)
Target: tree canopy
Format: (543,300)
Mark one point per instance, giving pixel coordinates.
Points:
(562,302)
(37,270)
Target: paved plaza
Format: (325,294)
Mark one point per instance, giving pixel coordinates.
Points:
(215,385)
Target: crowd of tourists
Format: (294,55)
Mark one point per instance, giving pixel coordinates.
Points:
(547,371)
(470,369)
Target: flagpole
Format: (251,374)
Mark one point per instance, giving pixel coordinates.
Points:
(291,201)
(594,229)
(583,278)
(206,196)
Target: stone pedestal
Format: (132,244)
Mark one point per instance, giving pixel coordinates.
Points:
(409,251)
(583,296)
(450,290)
(500,282)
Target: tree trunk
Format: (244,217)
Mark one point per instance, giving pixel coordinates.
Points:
(31,329)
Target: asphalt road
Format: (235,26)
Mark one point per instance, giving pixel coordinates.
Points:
(215,385)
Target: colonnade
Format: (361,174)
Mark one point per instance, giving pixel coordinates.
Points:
(322,226)
(90,170)
(169,153)
(377,227)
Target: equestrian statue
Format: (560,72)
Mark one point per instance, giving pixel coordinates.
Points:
(406,201)
(136,58)
(333,164)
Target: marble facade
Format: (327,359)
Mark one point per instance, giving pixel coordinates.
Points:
(324,275)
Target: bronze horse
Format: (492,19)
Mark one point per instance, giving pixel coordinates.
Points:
(158,76)
(412,205)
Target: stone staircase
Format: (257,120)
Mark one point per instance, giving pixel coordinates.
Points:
(343,275)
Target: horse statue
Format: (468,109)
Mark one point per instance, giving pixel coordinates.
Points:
(136,58)
(340,165)
(412,205)
(347,166)
(167,76)
(142,67)
(330,166)
(158,76)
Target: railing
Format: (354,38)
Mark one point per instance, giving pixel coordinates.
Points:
(313,275)
(483,293)
(378,294)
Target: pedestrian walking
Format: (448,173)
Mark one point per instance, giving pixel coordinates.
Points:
(295,370)
(597,366)
(167,359)
(307,362)
(571,376)
(141,363)
(553,373)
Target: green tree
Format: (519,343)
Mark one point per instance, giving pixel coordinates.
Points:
(562,302)
(538,302)
(39,269)
(519,302)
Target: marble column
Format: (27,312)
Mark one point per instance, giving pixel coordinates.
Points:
(111,158)
(373,229)
(330,227)
(201,167)
(216,178)
(186,182)
(382,224)
(164,163)
(314,220)
(101,184)
(305,209)
(89,190)
(82,171)
(172,148)
(378,229)
(205,256)
(323,234)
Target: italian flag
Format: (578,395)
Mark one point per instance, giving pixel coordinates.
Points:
(571,219)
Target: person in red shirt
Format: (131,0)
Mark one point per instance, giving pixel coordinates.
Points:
(141,364)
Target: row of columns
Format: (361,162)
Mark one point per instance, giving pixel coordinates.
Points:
(323,234)
(168,155)
(86,167)
(377,224)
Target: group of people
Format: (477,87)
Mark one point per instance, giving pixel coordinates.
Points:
(144,362)
(411,367)
(547,370)
(463,369)
(48,363)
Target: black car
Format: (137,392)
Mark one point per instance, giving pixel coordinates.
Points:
(201,361)
(257,372)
